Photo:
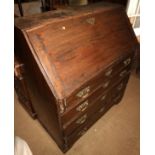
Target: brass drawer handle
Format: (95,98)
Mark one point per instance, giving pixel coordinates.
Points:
(108,73)
(123,73)
(105,85)
(82,132)
(103,97)
(102,109)
(84,92)
(82,119)
(117,98)
(127,61)
(120,86)
(82,107)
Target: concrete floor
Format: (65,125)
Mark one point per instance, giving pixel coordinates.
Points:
(116,133)
(29,8)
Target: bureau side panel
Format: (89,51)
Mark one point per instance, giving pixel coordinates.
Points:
(43,100)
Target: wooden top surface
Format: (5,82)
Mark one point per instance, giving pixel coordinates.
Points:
(75,47)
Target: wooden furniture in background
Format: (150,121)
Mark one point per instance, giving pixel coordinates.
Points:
(21,87)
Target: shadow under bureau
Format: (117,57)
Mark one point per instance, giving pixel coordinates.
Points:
(75,65)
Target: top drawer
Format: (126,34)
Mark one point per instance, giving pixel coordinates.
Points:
(91,86)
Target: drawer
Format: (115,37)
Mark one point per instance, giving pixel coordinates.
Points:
(103,78)
(70,126)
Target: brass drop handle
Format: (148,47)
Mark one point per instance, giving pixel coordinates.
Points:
(127,61)
(108,73)
(103,97)
(84,92)
(82,119)
(106,84)
(82,107)
(123,73)
(102,109)
(117,98)
(82,132)
(120,86)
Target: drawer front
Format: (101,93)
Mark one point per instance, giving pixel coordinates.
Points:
(103,78)
(82,119)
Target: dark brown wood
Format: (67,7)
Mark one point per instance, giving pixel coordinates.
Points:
(22,88)
(72,58)
(20,7)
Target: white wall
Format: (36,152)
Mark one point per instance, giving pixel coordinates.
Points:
(132,7)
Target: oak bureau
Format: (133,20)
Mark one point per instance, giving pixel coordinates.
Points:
(75,65)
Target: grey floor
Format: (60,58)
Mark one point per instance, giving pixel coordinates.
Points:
(116,133)
(29,8)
